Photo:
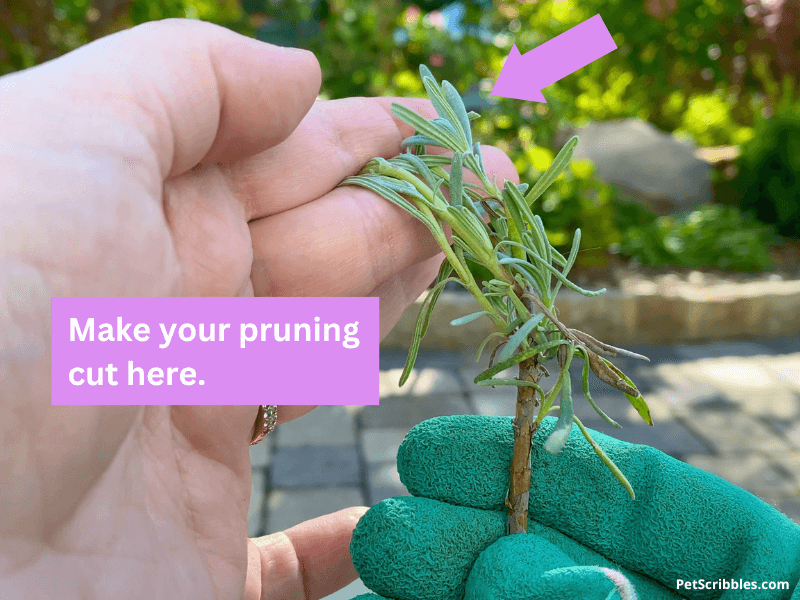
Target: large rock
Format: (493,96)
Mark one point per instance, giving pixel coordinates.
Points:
(648,165)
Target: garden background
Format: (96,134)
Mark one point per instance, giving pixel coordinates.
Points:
(720,75)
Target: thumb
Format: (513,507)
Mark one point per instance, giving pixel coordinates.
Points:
(199,92)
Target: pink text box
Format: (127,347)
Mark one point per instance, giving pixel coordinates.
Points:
(303,369)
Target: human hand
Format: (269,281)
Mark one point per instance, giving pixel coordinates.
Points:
(447,540)
(177,158)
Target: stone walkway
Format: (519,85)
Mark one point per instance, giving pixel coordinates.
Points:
(731,408)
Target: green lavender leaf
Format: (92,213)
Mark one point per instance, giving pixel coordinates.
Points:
(606,460)
(542,244)
(496,301)
(513,325)
(441,101)
(423,320)
(524,268)
(513,209)
(473,116)
(518,358)
(475,208)
(500,226)
(434,160)
(476,150)
(470,228)
(443,136)
(460,243)
(533,241)
(486,341)
(418,166)
(453,128)
(558,437)
(515,382)
(559,164)
(456,180)
(457,104)
(520,335)
(401,187)
(537,224)
(558,258)
(468,318)
(573,254)
(424,71)
(374,184)
(418,140)
(568,283)
(523,207)
(435,94)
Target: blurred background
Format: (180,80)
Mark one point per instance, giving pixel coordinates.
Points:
(688,164)
(690,130)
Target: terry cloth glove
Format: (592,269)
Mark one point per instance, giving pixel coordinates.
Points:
(587,538)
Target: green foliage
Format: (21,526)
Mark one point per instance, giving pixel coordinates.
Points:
(708,119)
(673,70)
(713,236)
(678,71)
(768,179)
(661,64)
(46,29)
(694,71)
(577,199)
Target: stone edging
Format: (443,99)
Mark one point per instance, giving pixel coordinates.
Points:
(685,313)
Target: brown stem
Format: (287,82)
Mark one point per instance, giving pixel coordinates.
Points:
(524,430)
(524,425)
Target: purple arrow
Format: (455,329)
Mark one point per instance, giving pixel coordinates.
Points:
(524,77)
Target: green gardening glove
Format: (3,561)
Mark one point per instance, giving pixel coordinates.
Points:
(587,539)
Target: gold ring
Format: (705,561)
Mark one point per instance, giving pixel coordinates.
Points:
(265,422)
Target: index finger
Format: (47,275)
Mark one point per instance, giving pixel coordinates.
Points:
(334,140)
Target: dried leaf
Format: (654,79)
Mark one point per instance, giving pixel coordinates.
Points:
(604,349)
(636,400)
(604,371)
(587,395)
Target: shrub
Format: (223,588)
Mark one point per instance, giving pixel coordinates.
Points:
(713,236)
(768,180)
